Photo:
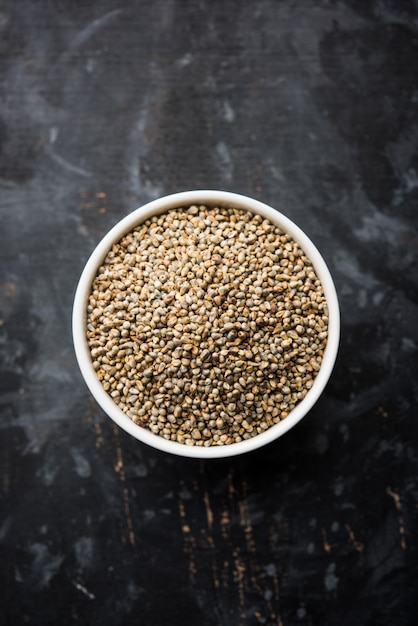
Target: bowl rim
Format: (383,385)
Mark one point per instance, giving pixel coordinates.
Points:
(162,205)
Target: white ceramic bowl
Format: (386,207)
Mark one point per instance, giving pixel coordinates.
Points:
(187,198)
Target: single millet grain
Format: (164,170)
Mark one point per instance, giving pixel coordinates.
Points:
(207,325)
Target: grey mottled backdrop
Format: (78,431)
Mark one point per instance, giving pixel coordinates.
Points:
(310,106)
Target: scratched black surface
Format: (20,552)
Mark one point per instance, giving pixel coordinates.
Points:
(310,106)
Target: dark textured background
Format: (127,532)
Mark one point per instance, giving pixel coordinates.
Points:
(308,105)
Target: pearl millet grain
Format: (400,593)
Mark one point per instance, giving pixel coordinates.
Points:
(207,325)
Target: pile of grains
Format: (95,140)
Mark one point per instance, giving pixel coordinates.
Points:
(207,325)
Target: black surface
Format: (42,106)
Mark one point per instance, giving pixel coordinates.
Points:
(310,106)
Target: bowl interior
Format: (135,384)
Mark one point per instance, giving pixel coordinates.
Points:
(211,198)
